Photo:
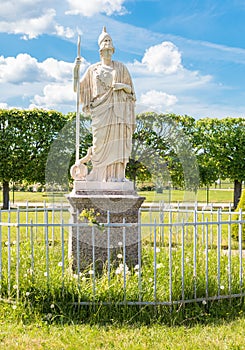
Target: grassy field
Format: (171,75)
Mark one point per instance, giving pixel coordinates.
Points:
(220,336)
(215,196)
(44,318)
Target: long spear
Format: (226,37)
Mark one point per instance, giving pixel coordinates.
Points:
(78,100)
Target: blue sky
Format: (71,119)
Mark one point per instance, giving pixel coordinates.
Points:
(185,57)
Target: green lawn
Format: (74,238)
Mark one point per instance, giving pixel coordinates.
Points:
(33,324)
(224,335)
(26,196)
(44,317)
(215,196)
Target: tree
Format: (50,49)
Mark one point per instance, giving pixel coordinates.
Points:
(26,136)
(62,152)
(222,150)
(208,165)
(182,161)
(162,150)
(147,148)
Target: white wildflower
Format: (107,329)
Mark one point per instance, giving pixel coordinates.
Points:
(204,302)
(27,294)
(123,266)
(121,269)
(14,307)
(120,244)
(136,267)
(45,274)
(118,271)
(91,272)
(15,286)
(119,256)
(158,250)
(160,265)
(60,264)
(222,287)
(52,306)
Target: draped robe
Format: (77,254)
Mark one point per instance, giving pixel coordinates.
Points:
(113,119)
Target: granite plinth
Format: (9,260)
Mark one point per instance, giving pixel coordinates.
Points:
(101,242)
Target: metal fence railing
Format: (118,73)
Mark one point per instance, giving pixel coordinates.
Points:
(183,256)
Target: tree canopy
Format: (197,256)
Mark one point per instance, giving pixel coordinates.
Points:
(39,146)
(220,146)
(162,150)
(26,136)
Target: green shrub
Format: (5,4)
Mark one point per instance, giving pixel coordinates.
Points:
(235,227)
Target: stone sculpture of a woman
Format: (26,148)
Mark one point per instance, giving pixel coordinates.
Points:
(107,94)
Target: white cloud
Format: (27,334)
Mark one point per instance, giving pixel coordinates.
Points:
(30,27)
(55,95)
(57,70)
(64,32)
(157,100)
(93,7)
(181,82)
(31,18)
(163,58)
(25,68)
(46,84)
(12,9)
(4,105)
(161,80)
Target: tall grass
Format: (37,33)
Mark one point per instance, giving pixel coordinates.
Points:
(37,279)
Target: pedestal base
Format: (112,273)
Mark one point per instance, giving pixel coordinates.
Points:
(107,240)
(105,188)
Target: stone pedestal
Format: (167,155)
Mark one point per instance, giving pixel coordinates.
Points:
(111,204)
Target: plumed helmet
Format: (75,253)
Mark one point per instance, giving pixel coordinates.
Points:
(103,35)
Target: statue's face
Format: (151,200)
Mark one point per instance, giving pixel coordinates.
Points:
(106,44)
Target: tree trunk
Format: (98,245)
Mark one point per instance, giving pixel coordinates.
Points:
(5,194)
(237,192)
(207,195)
